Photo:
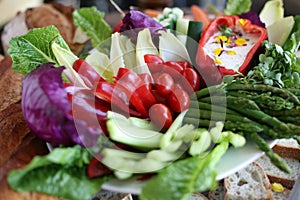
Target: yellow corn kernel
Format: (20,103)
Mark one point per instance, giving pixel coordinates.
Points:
(277,187)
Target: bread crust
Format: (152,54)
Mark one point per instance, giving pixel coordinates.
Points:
(10,84)
(12,125)
(46,15)
(287,151)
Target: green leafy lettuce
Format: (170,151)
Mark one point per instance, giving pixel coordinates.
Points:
(61,173)
(34,48)
(184,177)
(91,22)
(293,41)
(237,7)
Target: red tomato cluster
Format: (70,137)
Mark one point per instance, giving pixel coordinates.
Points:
(159,96)
(173,82)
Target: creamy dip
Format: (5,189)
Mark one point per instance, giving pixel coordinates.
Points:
(230,52)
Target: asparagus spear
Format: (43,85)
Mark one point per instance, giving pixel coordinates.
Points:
(265,88)
(264,100)
(212,90)
(264,146)
(208,106)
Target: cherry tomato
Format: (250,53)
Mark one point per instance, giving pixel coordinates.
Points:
(164,83)
(160,98)
(156,67)
(151,58)
(96,168)
(147,79)
(184,64)
(193,78)
(161,116)
(174,69)
(179,100)
(89,75)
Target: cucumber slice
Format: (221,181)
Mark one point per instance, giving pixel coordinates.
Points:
(178,12)
(182,25)
(141,123)
(162,155)
(195,30)
(124,132)
(125,163)
(201,145)
(190,28)
(170,133)
(147,165)
(122,175)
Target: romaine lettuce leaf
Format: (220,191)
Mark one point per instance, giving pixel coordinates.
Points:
(61,173)
(293,41)
(91,22)
(34,48)
(237,7)
(184,177)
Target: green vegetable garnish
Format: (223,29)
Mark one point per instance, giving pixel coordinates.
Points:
(276,67)
(184,177)
(61,173)
(91,22)
(237,7)
(34,48)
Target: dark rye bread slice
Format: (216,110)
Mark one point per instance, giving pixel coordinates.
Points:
(12,125)
(287,148)
(12,130)
(10,84)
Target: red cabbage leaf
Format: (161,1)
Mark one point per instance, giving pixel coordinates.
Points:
(48,111)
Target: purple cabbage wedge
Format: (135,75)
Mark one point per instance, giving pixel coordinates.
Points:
(47,110)
(135,20)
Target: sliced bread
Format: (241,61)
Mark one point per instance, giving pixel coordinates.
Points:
(110,195)
(275,175)
(288,148)
(281,195)
(197,196)
(248,183)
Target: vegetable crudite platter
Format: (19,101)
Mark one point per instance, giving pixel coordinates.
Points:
(162,106)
